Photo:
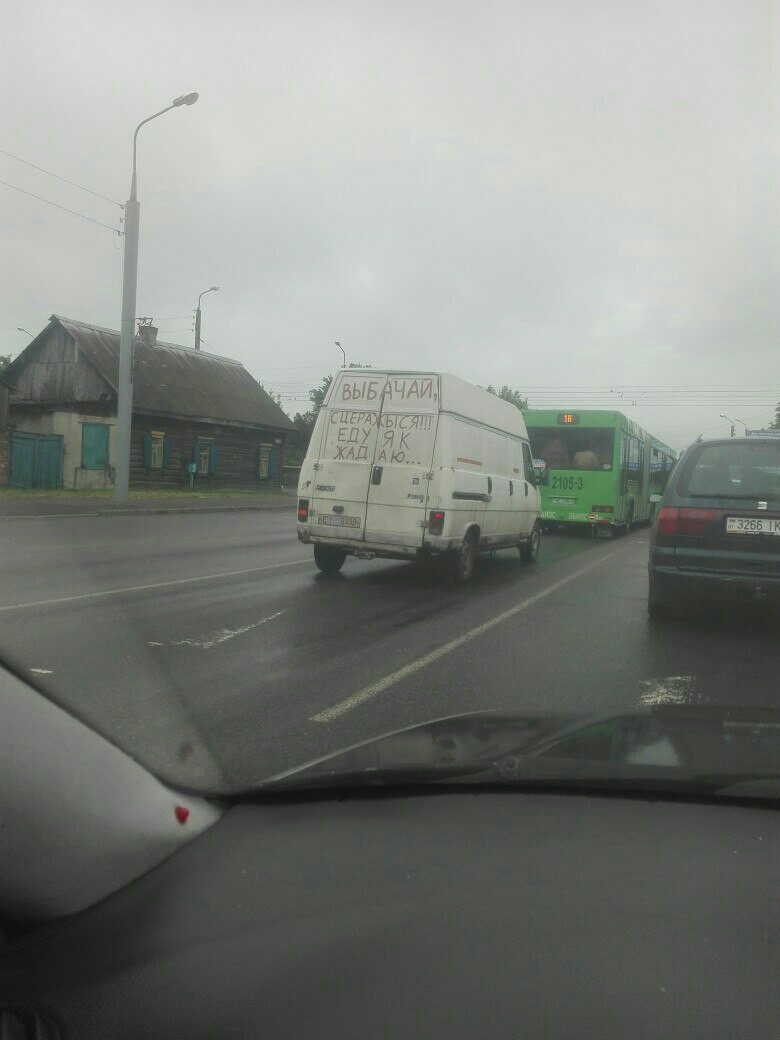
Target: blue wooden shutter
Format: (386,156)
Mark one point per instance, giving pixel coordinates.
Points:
(147,450)
(166,451)
(212,459)
(94,446)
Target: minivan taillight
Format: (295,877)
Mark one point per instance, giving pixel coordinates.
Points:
(666,521)
(672,520)
(695,521)
(436,522)
(303,510)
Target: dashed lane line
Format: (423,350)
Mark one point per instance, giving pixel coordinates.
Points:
(329,714)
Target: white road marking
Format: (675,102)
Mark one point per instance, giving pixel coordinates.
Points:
(153,585)
(41,671)
(669,689)
(224,634)
(446,648)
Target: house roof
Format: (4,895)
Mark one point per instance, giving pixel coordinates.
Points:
(176,380)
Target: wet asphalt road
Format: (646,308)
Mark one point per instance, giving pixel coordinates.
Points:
(210,646)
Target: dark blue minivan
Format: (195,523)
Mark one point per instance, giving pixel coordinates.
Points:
(716,535)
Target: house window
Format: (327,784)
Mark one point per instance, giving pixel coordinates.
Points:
(94,446)
(264,462)
(204,457)
(158,442)
(157,450)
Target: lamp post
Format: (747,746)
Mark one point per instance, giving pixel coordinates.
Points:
(733,432)
(20,329)
(214,288)
(343,355)
(744,424)
(124,405)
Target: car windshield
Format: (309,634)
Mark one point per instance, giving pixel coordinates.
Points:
(367,365)
(734,471)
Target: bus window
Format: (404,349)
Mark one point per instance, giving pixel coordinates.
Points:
(573,448)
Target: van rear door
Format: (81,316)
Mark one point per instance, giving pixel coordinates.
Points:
(344,457)
(398,488)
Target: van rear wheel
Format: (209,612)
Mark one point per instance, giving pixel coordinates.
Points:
(530,550)
(328,559)
(463,561)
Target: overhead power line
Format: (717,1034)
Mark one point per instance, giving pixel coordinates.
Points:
(56,205)
(64,179)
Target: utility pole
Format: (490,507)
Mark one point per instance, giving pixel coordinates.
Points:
(343,355)
(733,431)
(124,404)
(214,288)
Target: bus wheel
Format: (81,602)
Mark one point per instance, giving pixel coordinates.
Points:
(463,561)
(530,550)
(328,559)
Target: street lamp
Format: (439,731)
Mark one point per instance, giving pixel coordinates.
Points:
(744,424)
(214,288)
(124,405)
(343,355)
(20,329)
(733,432)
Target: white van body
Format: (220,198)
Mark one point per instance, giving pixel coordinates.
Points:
(391,449)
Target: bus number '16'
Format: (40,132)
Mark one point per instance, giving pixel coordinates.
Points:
(566,483)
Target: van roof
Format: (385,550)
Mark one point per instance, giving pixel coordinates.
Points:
(458,397)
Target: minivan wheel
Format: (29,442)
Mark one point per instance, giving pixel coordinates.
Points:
(328,559)
(463,561)
(530,550)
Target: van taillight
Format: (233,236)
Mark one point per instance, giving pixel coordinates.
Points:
(303,510)
(436,522)
(666,522)
(695,521)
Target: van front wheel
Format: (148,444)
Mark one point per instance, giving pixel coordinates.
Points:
(328,559)
(463,561)
(530,550)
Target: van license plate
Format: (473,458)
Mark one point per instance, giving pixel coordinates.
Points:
(752,525)
(339,521)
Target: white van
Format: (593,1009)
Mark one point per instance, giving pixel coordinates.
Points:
(408,464)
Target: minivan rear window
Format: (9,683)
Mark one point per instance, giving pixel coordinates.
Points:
(741,470)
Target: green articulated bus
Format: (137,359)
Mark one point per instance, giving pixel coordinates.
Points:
(597,468)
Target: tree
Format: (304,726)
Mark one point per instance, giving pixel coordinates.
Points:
(776,424)
(5,361)
(506,393)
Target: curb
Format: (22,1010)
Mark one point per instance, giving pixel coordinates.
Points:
(153,510)
(189,509)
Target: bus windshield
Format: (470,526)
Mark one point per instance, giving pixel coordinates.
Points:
(573,448)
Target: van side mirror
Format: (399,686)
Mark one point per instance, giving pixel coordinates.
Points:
(541,472)
(655,498)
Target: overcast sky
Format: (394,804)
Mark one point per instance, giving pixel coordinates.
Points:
(555,195)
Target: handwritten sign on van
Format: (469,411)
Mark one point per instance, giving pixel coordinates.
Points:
(385,438)
(373,392)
